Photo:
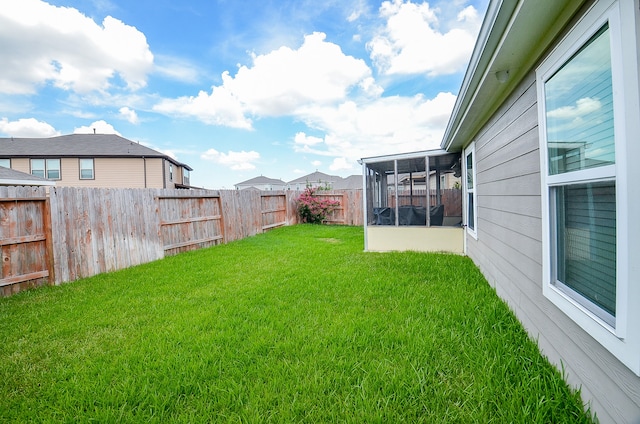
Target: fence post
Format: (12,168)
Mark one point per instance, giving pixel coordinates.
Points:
(46,218)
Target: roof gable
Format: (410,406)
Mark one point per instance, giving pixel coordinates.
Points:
(261,180)
(315,177)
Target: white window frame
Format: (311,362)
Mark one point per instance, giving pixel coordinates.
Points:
(93,168)
(623,338)
(472,230)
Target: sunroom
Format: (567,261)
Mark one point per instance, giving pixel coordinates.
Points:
(413,201)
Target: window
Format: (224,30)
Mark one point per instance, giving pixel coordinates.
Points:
(53,169)
(581,153)
(37,167)
(470,190)
(583,117)
(5,162)
(185,176)
(170,172)
(46,168)
(86,169)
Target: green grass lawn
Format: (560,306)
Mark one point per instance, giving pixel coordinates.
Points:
(296,325)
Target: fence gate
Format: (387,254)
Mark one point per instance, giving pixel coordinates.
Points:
(25,243)
(274,210)
(188,223)
(338,215)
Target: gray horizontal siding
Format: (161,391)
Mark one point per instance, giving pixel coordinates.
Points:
(509,253)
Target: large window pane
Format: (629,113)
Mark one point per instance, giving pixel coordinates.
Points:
(86,169)
(37,167)
(53,169)
(579,109)
(586,242)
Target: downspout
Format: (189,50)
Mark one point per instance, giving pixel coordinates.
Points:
(144,166)
(164,174)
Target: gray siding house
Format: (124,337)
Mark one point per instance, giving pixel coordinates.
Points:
(547,121)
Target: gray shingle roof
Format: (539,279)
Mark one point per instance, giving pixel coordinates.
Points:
(315,177)
(17,177)
(79,145)
(262,180)
(352,182)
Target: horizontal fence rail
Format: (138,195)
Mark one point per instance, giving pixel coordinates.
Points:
(60,234)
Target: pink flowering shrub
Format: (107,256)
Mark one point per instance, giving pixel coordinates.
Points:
(312,209)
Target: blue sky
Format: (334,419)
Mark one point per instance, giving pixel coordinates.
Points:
(238,89)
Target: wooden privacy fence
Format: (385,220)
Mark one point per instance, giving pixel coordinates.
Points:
(69,233)
(188,223)
(25,239)
(350,210)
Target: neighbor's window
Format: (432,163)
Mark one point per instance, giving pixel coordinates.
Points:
(470,190)
(170,172)
(185,176)
(46,168)
(38,168)
(5,162)
(53,169)
(86,169)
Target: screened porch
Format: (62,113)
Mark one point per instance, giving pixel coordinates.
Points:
(413,201)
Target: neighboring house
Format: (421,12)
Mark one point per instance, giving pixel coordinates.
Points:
(93,160)
(262,183)
(547,122)
(315,179)
(352,182)
(11,177)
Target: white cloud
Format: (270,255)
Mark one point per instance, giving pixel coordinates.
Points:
(342,164)
(413,43)
(384,126)
(221,107)
(316,163)
(277,84)
(306,140)
(100,127)
(62,46)
(27,127)
(177,69)
(582,107)
(130,115)
(238,161)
